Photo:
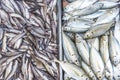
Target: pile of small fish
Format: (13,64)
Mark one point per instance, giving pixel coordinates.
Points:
(91,40)
(28,40)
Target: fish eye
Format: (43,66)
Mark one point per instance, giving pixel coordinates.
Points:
(77,36)
(75,60)
(100,77)
(87,35)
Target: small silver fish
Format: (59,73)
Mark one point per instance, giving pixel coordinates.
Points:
(98,30)
(114,49)
(82,48)
(70,50)
(73,70)
(97,63)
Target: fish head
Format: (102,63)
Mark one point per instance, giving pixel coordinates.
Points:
(99,75)
(109,75)
(78,38)
(88,35)
(66,28)
(116,60)
(66,16)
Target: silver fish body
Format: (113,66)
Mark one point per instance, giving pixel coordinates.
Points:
(86,11)
(104,50)
(107,17)
(109,4)
(73,70)
(117,31)
(97,63)
(70,50)
(114,48)
(98,30)
(76,26)
(82,47)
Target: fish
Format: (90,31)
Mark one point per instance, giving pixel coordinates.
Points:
(14,68)
(104,51)
(82,48)
(107,17)
(76,26)
(104,48)
(73,70)
(28,28)
(70,50)
(109,4)
(86,11)
(117,30)
(114,49)
(81,4)
(98,67)
(9,69)
(98,30)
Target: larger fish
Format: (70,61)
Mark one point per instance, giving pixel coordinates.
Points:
(80,5)
(107,17)
(73,70)
(117,31)
(109,4)
(97,63)
(114,49)
(104,50)
(70,50)
(76,26)
(98,30)
(83,48)
(86,11)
